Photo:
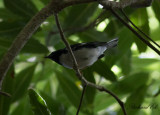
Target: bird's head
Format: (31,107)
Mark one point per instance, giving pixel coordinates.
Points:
(55,56)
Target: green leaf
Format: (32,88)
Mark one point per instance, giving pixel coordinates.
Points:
(8,88)
(156,7)
(140,19)
(7,15)
(79,15)
(38,104)
(155,105)
(22,82)
(135,100)
(21,107)
(53,105)
(113,27)
(90,92)
(11,28)
(102,69)
(24,8)
(45,1)
(126,85)
(125,63)
(32,46)
(124,44)
(145,64)
(92,35)
(68,86)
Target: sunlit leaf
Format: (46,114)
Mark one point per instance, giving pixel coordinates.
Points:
(38,104)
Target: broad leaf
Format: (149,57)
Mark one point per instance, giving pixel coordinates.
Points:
(38,104)
(79,15)
(140,18)
(8,88)
(69,87)
(24,8)
(156,7)
(33,46)
(135,100)
(126,85)
(22,82)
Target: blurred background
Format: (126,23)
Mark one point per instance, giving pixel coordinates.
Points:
(131,71)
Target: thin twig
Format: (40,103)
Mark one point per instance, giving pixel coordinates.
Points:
(5,94)
(79,75)
(138,28)
(135,32)
(84,88)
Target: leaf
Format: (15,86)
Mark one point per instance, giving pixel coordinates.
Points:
(140,19)
(128,85)
(156,7)
(155,105)
(113,27)
(8,88)
(125,63)
(92,35)
(102,69)
(88,100)
(11,28)
(24,8)
(22,82)
(79,15)
(21,107)
(33,46)
(135,100)
(145,64)
(38,104)
(68,86)
(45,1)
(125,41)
(6,15)
(53,105)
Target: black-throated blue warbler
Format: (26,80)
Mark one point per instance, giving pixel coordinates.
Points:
(86,54)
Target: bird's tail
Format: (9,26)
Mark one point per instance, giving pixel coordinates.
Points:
(112,43)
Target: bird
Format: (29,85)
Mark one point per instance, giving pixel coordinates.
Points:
(86,54)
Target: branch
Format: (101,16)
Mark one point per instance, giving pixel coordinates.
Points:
(79,75)
(84,88)
(125,3)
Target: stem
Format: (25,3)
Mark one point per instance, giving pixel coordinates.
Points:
(84,88)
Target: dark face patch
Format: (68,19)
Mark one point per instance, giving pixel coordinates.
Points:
(55,56)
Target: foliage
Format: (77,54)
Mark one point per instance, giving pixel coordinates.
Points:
(131,70)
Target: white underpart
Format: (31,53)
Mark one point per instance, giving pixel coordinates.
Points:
(85,57)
